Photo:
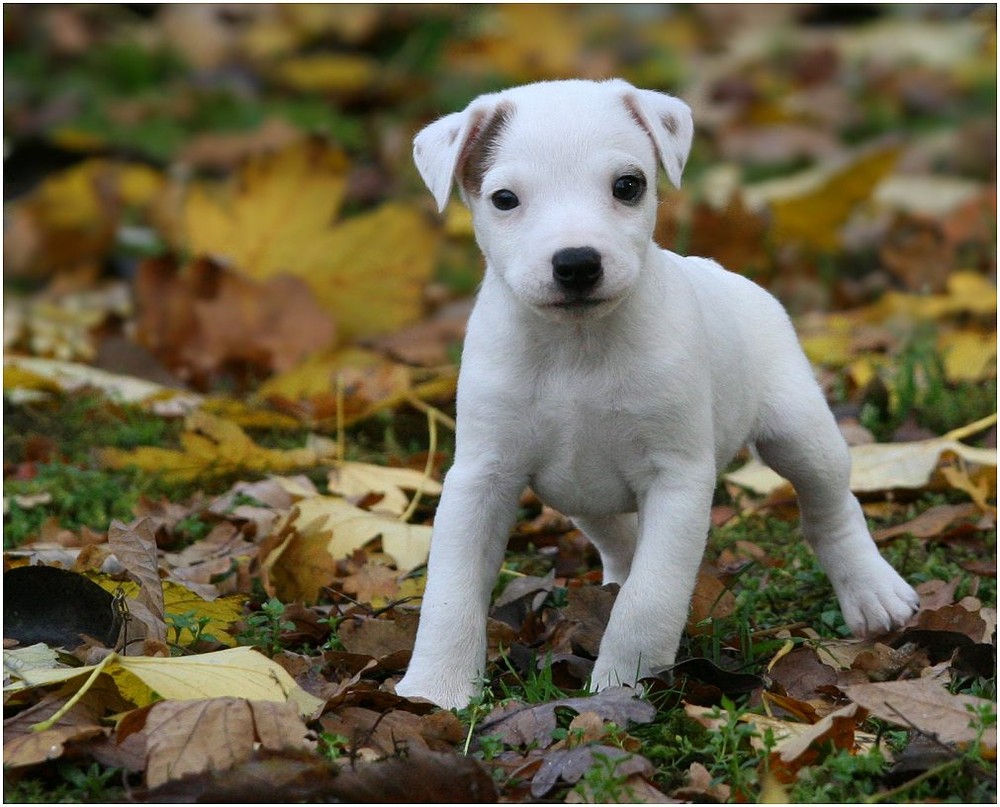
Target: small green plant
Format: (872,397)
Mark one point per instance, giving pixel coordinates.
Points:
(333,746)
(603,784)
(264,627)
(192,623)
(536,686)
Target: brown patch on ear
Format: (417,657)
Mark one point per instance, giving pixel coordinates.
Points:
(670,123)
(477,156)
(630,105)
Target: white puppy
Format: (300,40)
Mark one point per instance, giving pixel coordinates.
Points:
(614,378)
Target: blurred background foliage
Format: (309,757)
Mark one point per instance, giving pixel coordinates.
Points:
(221,197)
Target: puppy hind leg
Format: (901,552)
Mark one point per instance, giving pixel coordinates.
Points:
(805,446)
(614,537)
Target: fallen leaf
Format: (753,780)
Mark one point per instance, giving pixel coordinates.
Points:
(277,203)
(356,480)
(519,724)
(810,208)
(49,374)
(353,528)
(711,601)
(239,672)
(204,319)
(210,447)
(135,547)
(378,638)
(700,787)
(877,466)
(806,748)
(277,218)
(191,736)
(340,74)
(570,765)
(930,523)
(926,705)
(372,584)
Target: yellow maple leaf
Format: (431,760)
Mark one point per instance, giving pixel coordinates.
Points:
(278,218)
(279,201)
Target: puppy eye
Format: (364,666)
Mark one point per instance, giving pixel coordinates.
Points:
(505,200)
(629,188)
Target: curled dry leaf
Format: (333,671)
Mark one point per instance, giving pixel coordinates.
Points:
(135,547)
(806,748)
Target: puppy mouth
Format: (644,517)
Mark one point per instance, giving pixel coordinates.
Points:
(576,305)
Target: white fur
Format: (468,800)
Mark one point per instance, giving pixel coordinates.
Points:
(630,406)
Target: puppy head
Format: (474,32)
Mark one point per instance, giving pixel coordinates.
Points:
(560,177)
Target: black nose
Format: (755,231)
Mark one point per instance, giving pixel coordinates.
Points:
(577,269)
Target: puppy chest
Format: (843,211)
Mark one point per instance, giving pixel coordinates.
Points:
(585,463)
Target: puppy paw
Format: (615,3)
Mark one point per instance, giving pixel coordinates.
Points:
(447,694)
(876,601)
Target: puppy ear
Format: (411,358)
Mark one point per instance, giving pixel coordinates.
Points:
(436,150)
(457,145)
(668,122)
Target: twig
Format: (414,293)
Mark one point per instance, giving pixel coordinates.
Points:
(916,780)
(341,435)
(428,466)
(972,428)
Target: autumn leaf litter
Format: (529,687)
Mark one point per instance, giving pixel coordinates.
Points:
(292,315)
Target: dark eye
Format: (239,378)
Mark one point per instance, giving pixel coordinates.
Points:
(629,188)
(505,200)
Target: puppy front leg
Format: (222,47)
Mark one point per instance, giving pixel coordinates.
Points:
(473,521)
(651,609)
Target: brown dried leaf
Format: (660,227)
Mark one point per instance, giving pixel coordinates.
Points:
(135,547)
(711,600)
(190,737)
(518,724)
(805,748)
(590,608)
(700,787)
(931,523)
(571,765)
(205,318)
(373,584)
(801,672)
(923,704)
(378,637)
